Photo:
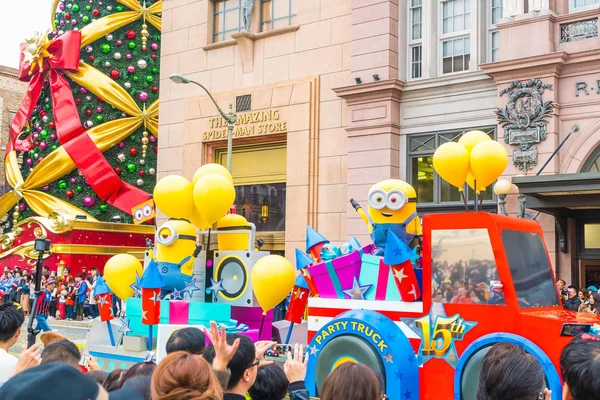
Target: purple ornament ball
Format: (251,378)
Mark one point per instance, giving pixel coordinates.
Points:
(22,207)
(83,90)
(128,56)
(154,46)
(99,109)
(46,188)
(73,22)
(53,136)
(43,145)
(61,6)
(35,136)
(73,180)
(143,96)
(39,128)
(29,162)
(88,201)
(152,139)
(130,69)
(121,145)
(119,42)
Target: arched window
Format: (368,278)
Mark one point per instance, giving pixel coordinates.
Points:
(592,164)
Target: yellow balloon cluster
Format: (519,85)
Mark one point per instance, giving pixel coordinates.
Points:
(475,159)
(203,201)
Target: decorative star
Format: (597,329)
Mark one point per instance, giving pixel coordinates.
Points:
(400,275)
(391,338)
(305,273)
(313,350)
(298,294)
(388,358)
(102,300)
(358,291)
(125,329)
(437,321)
(144,315)
(407,395)
(136,286)
(177,294)
(399,375)
(155,297)
(190,286)
(215,288)
(413,291)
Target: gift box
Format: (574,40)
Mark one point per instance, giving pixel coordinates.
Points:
(252,317)
(331,277)
(184,312)
(375,272)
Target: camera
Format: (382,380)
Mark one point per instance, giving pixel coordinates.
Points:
(42,245)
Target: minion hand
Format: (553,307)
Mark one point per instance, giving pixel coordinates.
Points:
(197,251)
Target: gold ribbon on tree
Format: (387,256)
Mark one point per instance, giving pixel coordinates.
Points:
(58,163)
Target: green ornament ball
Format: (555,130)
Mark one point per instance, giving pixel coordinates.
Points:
(149,79)
(31,152)
(99,118)
(62,184)
(75,7)
(158,37)
(103,208)
(56,22)
(79,188)
(131,168)
(135,78)
(132,45)
(155,70)
(119,8)
(105,48)
(132,137)
(43,134)
(54,147)
(86,19)
(47,107)
(88,8)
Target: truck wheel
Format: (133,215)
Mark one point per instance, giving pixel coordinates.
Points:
(347,348)
(470,374)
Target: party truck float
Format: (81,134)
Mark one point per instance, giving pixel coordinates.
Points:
(426,321)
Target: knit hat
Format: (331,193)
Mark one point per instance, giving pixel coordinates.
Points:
(50,281)
(592,288)
(40,383)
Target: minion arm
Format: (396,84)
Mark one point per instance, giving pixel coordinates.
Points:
(359,210)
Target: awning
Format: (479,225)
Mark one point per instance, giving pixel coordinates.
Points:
(568,195)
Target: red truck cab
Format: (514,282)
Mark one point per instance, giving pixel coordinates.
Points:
(486,278)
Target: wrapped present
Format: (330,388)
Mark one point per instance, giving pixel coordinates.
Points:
(252,317)
(340,267)
(375,272)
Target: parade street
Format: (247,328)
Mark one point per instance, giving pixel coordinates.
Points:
(73,330)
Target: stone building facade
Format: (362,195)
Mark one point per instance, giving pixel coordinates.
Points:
(336,95)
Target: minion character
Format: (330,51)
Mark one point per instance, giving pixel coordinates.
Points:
(175,252)
(392,207)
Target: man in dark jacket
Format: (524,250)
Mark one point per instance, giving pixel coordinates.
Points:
(573,302)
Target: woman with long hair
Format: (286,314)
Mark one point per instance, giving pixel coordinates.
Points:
(181,375)
(593,306)
(585,300)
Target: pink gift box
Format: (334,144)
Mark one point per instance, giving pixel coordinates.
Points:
(346,267)
(179,312)
(252,316)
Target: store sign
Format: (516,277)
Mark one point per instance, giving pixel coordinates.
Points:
(254,123)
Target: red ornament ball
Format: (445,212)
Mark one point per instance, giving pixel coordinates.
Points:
(36,144)
(133,152)
(69,193)
(92,58)
(153,56)
(156,150)
(118,170)
(52,125)
(96,12)
(142,173)
(43,113)
(67,16)
(130,34)
(154,89)
(78,101)
(99,100)
(88,112)
(115,74)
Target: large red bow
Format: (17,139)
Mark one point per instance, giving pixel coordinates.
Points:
(64,53)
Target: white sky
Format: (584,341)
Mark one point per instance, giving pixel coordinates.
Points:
(19,19)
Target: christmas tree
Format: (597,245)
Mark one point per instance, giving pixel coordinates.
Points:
(87,143)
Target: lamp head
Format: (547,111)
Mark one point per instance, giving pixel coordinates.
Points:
(502,187)
(178,78)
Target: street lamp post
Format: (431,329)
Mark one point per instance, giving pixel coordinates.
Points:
(231,118)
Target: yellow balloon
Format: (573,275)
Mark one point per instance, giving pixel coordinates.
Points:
(173,196)
(208,169)
(213,195)
(198,220)
(451,162)
(488,161)
(472,138)
(273,279)
(119,274)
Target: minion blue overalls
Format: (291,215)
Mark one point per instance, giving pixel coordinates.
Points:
(380,232)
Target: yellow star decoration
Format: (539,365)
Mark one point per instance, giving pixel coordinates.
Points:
(36,50)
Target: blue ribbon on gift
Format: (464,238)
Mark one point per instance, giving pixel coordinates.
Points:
(233,327)
(331,252)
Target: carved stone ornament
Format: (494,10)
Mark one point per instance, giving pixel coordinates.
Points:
(525,119)
(247,8)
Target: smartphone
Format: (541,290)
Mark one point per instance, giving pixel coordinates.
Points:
(278,352)
(574,329)
(84,362)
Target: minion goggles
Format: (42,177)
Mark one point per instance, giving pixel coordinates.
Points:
(171,237)
(394,199)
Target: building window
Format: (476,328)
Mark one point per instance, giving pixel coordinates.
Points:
(495,15)
(429,186)
(260,187)
(415,44)
(496,11)
(243,103)
(228,19)
(456,16)
(494,45)
(415,62)
(456,55)
(582,5)
(275,14)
